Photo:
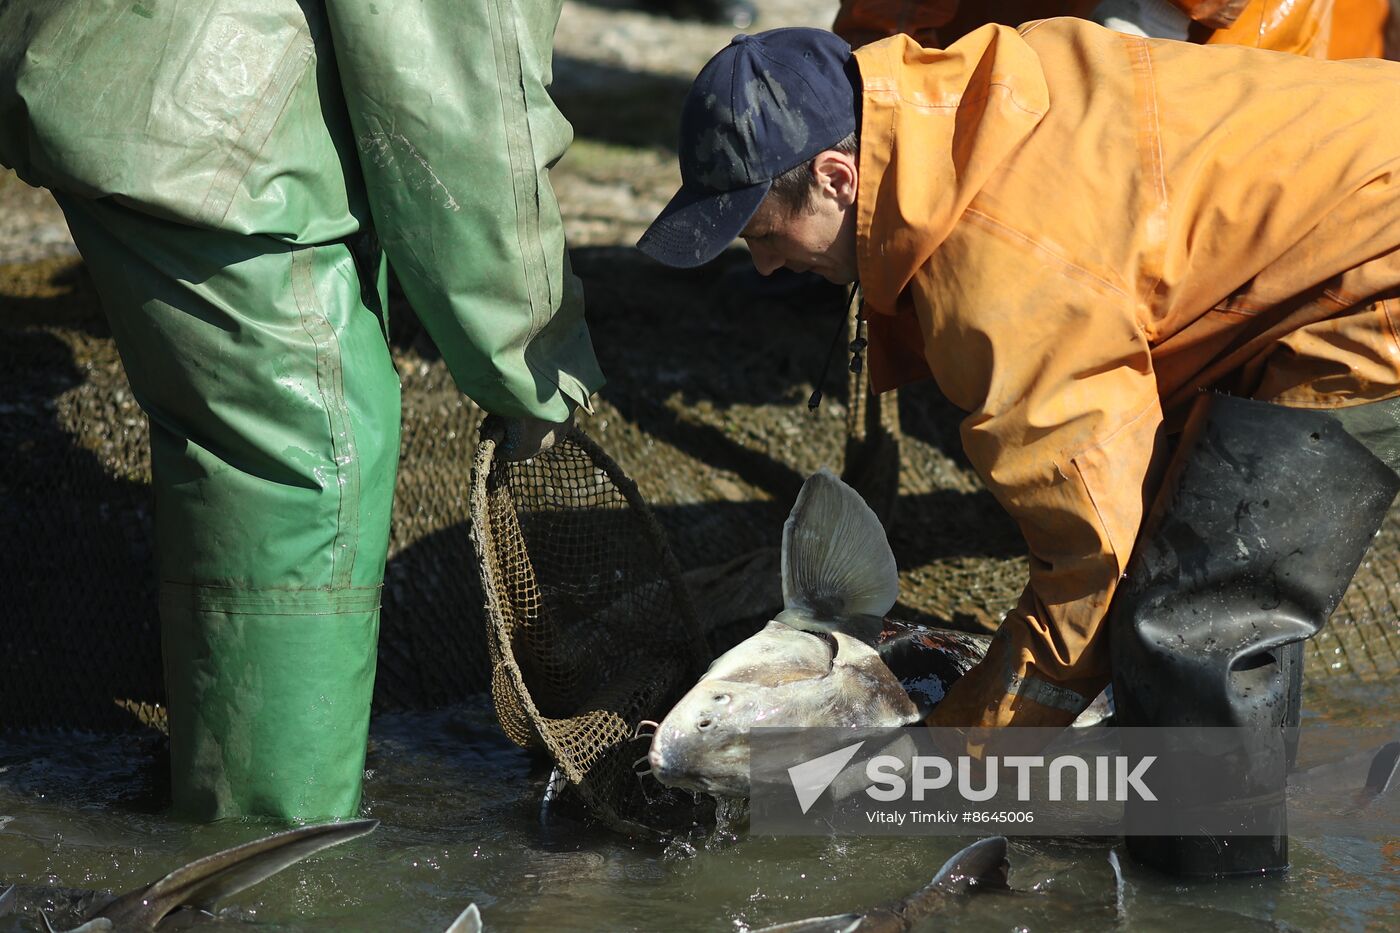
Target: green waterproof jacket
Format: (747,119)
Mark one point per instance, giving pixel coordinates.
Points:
(426,123)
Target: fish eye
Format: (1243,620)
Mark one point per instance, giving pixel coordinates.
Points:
(705,723)
(721,698)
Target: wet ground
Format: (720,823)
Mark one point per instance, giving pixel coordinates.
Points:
(459,811)
(705,408)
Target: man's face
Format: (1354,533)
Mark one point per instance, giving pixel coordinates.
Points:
(818,237)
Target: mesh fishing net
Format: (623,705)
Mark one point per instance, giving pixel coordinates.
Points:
(80,644)
(79,647)
(1362,639)
(590,621)
(590,628)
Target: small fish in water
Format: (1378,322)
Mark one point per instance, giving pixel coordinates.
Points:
(829,659)
(200,884)
(981,866)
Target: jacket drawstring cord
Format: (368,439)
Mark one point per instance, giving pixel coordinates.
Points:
(857,346)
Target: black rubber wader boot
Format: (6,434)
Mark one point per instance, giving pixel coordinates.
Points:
(1262,520)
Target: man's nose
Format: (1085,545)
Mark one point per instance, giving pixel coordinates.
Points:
(765,260)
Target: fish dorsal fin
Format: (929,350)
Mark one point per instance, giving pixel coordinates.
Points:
(982,864)
(204,882)
(1120,909)
(837,562)
(865,628)
(468,921)
(1384,766)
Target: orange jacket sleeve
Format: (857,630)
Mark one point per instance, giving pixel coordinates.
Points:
(1067,441)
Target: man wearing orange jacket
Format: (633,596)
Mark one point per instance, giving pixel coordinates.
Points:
(1090,240)
(1316,28)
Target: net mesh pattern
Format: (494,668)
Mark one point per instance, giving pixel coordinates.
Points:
(80,645)
(1362,638)
(590,627)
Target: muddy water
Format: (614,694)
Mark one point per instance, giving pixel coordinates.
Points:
(460,823)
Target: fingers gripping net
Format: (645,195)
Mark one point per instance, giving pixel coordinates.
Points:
(589,626)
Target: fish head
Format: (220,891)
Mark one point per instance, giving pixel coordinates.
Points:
(781,677)
(703,743)
(813,666)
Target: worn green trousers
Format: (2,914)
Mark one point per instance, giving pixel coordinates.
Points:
(274,414)
(234,173)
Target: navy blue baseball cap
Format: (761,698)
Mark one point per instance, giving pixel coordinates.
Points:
(765,104)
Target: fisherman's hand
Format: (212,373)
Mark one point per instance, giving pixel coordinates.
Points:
(1151,19)
(530,437)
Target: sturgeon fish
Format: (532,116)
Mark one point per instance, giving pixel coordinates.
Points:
(982,865)
(829,659)
(200,884)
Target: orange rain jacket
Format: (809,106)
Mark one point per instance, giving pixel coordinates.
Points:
(1074,232)
(1318,28)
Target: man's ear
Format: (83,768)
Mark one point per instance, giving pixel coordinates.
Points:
(836,175)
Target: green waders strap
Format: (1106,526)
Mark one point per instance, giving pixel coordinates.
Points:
(189,597)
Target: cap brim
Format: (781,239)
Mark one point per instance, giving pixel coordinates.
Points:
(697,225)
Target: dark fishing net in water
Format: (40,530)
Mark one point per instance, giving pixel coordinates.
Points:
(1362,639)
(593,628)
(80,642)
(590,627)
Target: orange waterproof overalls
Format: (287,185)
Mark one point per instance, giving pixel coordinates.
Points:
(1074,232)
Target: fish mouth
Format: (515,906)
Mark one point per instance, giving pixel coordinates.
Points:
(672,773)
(665,771)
